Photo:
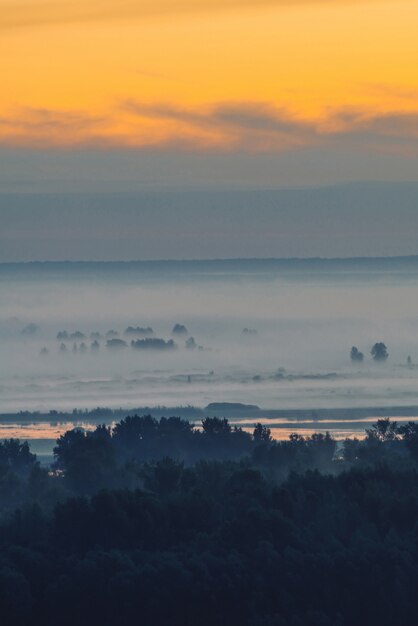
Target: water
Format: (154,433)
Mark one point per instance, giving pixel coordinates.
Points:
(306,314)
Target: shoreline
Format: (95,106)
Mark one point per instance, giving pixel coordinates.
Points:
(222,409)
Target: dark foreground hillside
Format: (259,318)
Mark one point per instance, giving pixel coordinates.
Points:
(232,529)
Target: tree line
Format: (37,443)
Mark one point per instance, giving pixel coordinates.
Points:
(159,522)
(379,352)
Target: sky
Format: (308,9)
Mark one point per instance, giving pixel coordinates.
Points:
(287,79)
(127,96)
(374,219)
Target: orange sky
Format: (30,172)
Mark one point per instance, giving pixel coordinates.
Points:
(236,75)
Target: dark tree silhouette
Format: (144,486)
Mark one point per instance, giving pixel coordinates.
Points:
(116,344)
(179,329)
(383,430)
(356,355)
(379,352)
(262,434)
(409,434)
(190,343)
(153,343)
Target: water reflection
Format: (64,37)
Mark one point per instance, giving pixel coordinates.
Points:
(42,436)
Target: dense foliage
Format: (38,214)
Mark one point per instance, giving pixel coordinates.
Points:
(156,522)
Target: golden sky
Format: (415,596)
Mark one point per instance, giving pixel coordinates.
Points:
(231,75)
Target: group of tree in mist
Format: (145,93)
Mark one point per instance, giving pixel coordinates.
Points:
(136,337)
(379,352)
(141,338)
(159,522)
(130,331)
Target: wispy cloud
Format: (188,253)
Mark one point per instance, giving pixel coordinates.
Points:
(249,127)
(33,13)
(244,125)
(46,127)
(263,127)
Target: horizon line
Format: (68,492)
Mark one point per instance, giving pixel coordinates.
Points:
(409,257)
(205,187)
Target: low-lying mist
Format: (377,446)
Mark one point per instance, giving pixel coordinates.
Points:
(265,336)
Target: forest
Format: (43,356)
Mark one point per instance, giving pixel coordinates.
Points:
(157,521)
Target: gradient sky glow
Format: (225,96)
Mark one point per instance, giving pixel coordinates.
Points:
(199,97)
(192,75)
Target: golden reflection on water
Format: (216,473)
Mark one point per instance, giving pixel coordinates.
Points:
(282,434)
(281,428)
(41,430)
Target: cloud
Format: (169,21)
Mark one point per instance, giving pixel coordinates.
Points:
(46,127)
(50,120)
(244,125)
(22,14)
(262,127)
(392,132)
(234,127)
